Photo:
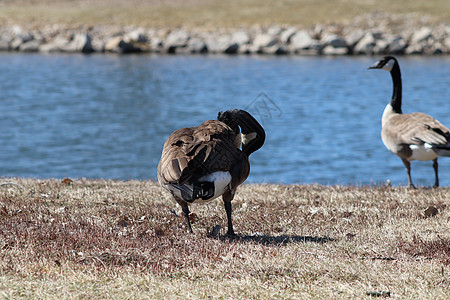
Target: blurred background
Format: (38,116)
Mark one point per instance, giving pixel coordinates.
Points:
(107,115)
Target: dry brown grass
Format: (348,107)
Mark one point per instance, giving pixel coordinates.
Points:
(208,13)
(112,239)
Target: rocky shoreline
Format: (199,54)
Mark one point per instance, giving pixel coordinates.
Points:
(372,34)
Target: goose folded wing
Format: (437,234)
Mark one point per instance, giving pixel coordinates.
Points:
(171,166)
(430,130)
(174,159)
(196,152)
(417,129)
(211,156)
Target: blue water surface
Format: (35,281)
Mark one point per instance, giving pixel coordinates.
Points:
(107,116)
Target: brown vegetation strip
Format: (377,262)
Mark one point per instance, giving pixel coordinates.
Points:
(208,13)
(334,240)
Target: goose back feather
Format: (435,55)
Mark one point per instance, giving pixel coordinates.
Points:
(197,151)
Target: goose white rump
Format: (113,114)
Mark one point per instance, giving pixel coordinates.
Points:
(221,181)
(422,152)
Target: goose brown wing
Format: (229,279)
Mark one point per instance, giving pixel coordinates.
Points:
(417,129)
(173,158)
(197,151)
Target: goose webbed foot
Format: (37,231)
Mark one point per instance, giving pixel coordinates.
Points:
(230,233)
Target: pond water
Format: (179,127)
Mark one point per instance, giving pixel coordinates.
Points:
(107,116)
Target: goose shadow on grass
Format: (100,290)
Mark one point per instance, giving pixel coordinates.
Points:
(278,240)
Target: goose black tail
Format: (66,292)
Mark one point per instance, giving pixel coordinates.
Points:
(442,150)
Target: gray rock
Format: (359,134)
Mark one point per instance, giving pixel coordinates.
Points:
(16,43)
(377,35)
(30,46)
(436,49)
(381,47)
(137,35)
(274,30)
(301,40)
(354,37)
(47,48)
(275,50)
(118,45)
(240,37)
(126,48)
(418,48)
(330,50)
(196,45)
(245,49)
(314,49)
(156,44)
(112,45)
(447,42)
(282,50)
(177,38)
(218,43)
(26,37)
(287,34)
(98,45)
(333,40)
(55,45)
(366,45)
(79,43)
(421,35)
(397,45)
(232,49)
(264,40)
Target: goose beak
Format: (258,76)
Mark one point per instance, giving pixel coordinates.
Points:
(374,66)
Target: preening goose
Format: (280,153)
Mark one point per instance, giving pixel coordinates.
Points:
(201,163)
(414,136)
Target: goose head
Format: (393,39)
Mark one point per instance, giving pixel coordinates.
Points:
(246,127)
(385,63)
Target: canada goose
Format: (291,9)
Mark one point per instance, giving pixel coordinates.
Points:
(201,163)
(414,136)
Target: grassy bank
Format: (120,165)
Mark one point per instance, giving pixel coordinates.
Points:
(209,13)
(112,239)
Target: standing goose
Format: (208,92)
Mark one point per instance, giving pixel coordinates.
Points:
(201,163)
(414,136)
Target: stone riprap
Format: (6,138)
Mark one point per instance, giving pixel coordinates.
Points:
(373,34)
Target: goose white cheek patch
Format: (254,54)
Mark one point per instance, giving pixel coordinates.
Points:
(389,65)
(246,138)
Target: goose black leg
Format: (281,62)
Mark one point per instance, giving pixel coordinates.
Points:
(227,197)
(186,216)
(436,176)
(408,171)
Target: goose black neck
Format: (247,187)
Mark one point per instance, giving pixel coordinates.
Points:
(396,101)
(248,125)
